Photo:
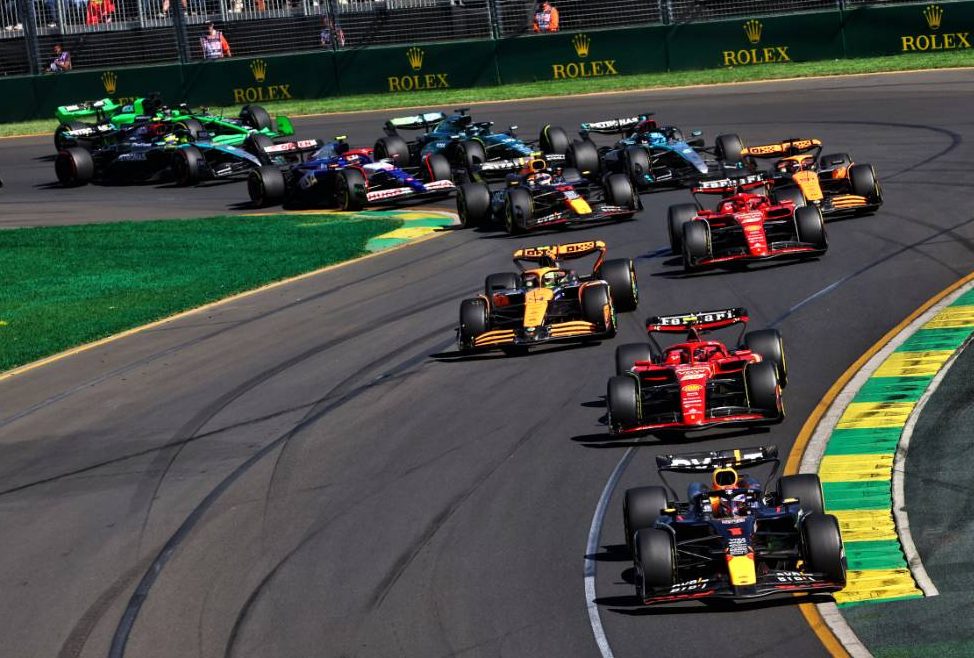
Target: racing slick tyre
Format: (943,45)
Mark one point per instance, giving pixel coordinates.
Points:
(628,354)
(655,559)
(392,147)
(620,274)
(255,116)
(728,149)
(436,167)
(768,344)
(583,155)
(790,193)
(193,128)
(571,175)
(696,243)
(61,142)
(807,488)
(862,178)
(822,547)
(676,217)
(74,166)
(619,191)
(266,186)
(834,161)
(554,140)
(468,155)
(256,143)
(473,321)
(641,506)
(762,390)
(349,189)
(186,165)
(637,166)
(501,281)
(473,204)
(810,227)
(518,210)
(622,401)
(597,309)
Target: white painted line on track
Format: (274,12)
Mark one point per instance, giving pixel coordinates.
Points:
(594,540)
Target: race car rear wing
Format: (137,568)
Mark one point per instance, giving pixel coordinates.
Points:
(423,121)
(498,167)
(697,322)
(613,126)
(557,252)
(725,186)
(782,149)
(294,147)
(699,462)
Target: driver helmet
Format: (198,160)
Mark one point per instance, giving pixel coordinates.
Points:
(530,280)
(703,353)
(341,146)
(542,178)
(788,166)
(553,278)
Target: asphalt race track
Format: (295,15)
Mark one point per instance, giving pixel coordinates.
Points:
(312,471)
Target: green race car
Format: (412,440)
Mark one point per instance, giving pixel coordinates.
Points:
(89,123)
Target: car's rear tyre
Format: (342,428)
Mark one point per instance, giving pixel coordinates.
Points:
(822,544)
(806,488)
(676,217)
(622,402)
(257,144)
(696,243)
(554,140)
(193,128)
(620,274)
(641,506)
(810,226)
(790,193)
(473,204)
(187,165)
(768,343)
(583,155)
(655,559)
(474,321)
(571,175)
(862,179)
(436,167)
(392,147)
(763,392)
(61,142)
(349,189)
(619,191)
(518,210)
(834,161)
(597,309)
(74,166)
(728,149)
(627,355)
(469,155)
(266,186)
(636,161)
(501,281)
(255,116)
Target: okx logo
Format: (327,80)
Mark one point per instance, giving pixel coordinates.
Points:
(935,39)
(753,32)
(583,67)
(259,91)
(416,57)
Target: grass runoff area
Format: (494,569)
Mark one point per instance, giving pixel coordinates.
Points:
(451,97)
(68,285)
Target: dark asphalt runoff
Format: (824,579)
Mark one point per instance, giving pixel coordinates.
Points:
(311,471)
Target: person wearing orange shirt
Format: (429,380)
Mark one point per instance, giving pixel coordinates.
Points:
(546,18)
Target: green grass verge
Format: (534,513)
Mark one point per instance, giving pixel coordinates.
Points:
(906,62)
(68,285)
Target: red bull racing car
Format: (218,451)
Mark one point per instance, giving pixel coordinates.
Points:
(731,538)
(697,384)
(545,302)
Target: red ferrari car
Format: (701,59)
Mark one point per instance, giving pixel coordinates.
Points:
(697,383)
(748,224)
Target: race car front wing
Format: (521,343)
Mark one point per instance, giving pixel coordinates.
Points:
(769,584)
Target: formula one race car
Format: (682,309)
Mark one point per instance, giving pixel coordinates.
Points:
(697,384)
(833,183)
(747,225)
(465,143)
(334,174)
(91,124)
(731,538)
(146,152)
(537,196)
(653,156)
(549,303)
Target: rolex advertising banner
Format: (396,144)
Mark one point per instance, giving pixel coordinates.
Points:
(582,55)
(937,27)
(758,40)
(406,69)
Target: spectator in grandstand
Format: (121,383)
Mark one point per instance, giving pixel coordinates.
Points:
(165,8)
(61,61)
(332,34)
(213,43)
(99,11)
(546,18)
(49,15)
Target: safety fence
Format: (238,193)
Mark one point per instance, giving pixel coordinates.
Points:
(252,77)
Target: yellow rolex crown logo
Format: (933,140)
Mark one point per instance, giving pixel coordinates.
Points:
(109,79)
(752,29)
(934,15)
(415,57)
(581,43)
(259,68)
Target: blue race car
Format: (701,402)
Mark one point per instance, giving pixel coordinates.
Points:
(333,174)
(660,156)
(465,143)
